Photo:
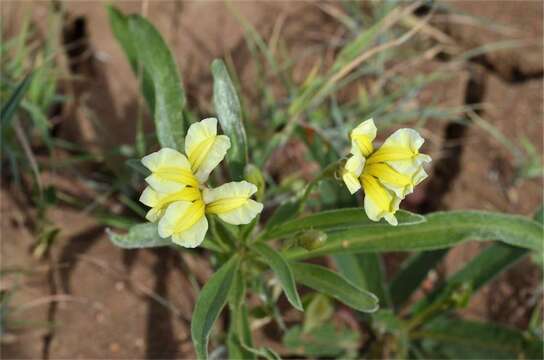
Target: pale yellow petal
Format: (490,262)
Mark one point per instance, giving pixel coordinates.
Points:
(154,214)
(149,197)
(401,149)
(173,214)
(232,203)
(363,136)
(352,170)
(193,236)
(199,132)
(243,214)
(379,202)
(356,162)
(205,148)
(419,176)
(400,183)
(214,156)
(352,182)
(170,171)
(165,157)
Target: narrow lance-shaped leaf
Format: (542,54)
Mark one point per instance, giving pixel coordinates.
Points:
(239,336)
(210,302)
(330,283)
(441,230)
(366,271)
(139,236)
(229,111)
(120,27)
(159,64)
(335,219)
(144,235)
(282,270)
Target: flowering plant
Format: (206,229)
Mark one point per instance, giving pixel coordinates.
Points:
(258,247)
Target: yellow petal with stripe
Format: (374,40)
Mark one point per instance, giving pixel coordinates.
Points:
(204,148)
(170,170)
(185,222)
(363,136)
(353,169)
(231,202)
(401,150)
(401,184)
(194,236)
(160,201)
(379,202)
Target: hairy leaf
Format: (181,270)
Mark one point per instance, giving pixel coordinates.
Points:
(228,109)
(441,230)
(210,302)
(333,284)
(158,63)
(282,270)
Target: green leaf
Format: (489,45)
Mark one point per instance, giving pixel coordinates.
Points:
(475,340)
(332,284)
(158,63)
(139,236)
(119,24)
(338,219)
(366,271)
(282,270)
(228,109)
(480,270)
(412,274)
(441,230)
(238,292)
(210,302)
(239,337)
(9,108)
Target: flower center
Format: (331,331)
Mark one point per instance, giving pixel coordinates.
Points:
(186,194)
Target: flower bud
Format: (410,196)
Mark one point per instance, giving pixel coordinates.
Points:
(253,175)
(311,239)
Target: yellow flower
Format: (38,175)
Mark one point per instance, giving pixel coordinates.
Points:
(387,174)
(177,194)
